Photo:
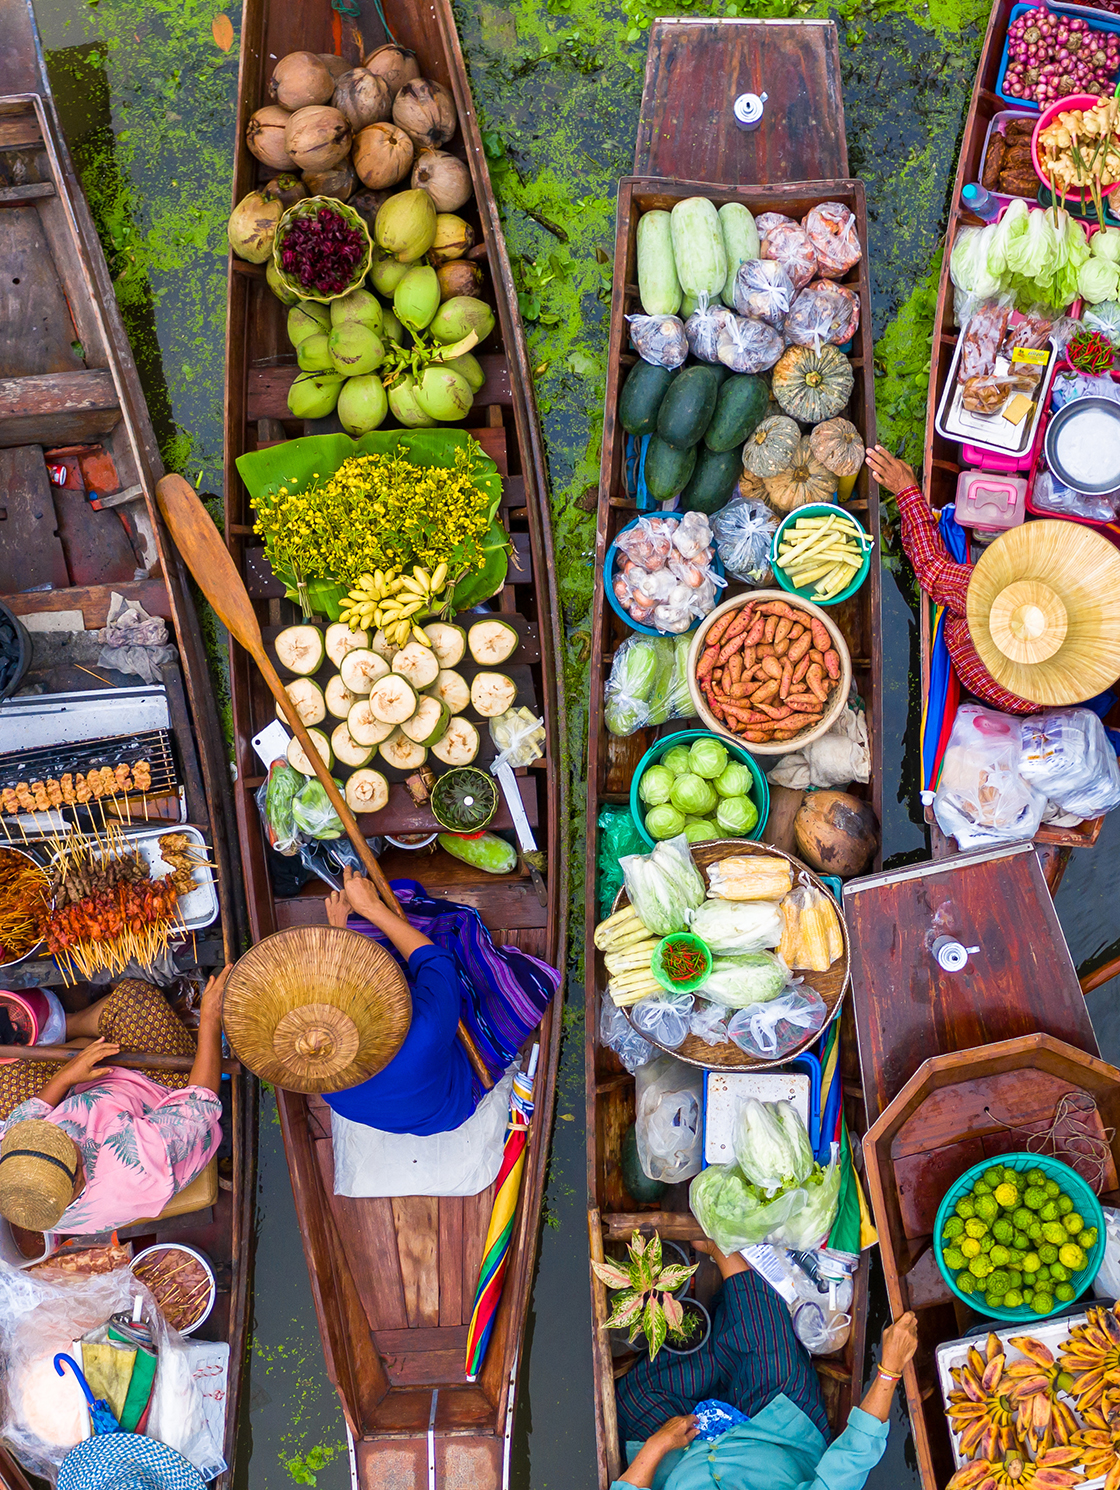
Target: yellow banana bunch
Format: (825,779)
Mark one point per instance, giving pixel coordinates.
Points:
(391,601)
(360,607)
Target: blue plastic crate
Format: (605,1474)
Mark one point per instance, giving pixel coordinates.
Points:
(1098,21)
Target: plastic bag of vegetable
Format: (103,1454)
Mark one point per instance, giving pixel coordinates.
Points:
(709,1023)
(664,886)
(648,683)
(730,927)
(664,1020)
(749,346)
(704,328)
(669,1119)
(831,229)
(823,312)
(1105,318)
(771,1031)
(968,269)
(743,530)
(771,1145)
(724,1202)
(618,1034)
(659,339)
(789,244)
(618,837)
(736,1214)
(753,978)
(763,290)
(274,802)
(312,811)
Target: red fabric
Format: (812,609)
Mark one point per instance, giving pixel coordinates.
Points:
(946,582)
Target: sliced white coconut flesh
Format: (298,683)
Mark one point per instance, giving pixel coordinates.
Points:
(452,689)
(340,640)
(339,699)
(308,698)
(399,751)
(393,699)
(459,745)
(365,726)
(492,642)
(492,693)
(448,642)
(300,649)
(428,723)
(367,791)
(349,751)
(383,646)
(299,761)
(418,664)
(361,668)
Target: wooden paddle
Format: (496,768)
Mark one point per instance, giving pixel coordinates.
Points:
(206,556)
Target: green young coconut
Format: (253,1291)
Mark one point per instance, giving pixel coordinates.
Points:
(359,305)
(308,318)
(460,316)
(392,330)
(416,298)
(362,405)
(406,225)
(355,349)
(444,393)
(313,354)
(386,274)
(278,287)
(471,369)
(406,409)
(314,395)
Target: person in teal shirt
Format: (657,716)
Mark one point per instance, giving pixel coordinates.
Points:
(754,1362)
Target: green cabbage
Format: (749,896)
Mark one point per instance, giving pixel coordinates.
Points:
(664,821)
(723,1201)
(677,760)
(1098,279)
(693,795)
(736,815)
(708,758)
(969,263)
(735,780)
(772,1145)
(755,978)
(1106,245)
(655,785)
(736,1214)
(700,830)
(731,927)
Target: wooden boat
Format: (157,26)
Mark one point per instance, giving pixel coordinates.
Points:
(394,1280)
(1002,1038)
(675,125)
(70,397)
(941,457)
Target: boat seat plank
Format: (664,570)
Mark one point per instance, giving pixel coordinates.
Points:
(96,545)
(92,600)
(450,1262)
(444,1337)
(416,1220)
(57,408)
(37,331)
(267,388)
(31,552)
(925,1287)
(922,1180)
(427,1367)
(31,191)
(505,904)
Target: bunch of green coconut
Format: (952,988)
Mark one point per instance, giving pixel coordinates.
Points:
(400,343)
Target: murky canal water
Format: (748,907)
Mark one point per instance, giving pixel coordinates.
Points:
(147,100)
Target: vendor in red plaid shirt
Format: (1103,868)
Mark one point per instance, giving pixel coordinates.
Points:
(942,578)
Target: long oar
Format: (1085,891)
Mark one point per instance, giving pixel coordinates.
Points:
(206,556)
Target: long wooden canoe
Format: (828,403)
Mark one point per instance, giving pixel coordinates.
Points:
(394,1280)
(679,122)
(70,397)
(941,457)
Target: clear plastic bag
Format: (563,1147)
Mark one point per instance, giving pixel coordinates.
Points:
(771,1031)
(743,530)
(1050,495)
(664,1020)
(749,346)
(659,339)
(274,802)
(1070,385)
(709,1023)
(831,229)
(524,734)
(982,797)
(1104,318)
(664,886)
(789,244)
(772,1145)
(735,1214)
(823,312)
(1068,756)
(313,813)
(704,328)
(648,683)
(669,1120)
(763,290)
(618,1034)
(767,221)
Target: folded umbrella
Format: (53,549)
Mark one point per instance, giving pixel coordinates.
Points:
(100,1413)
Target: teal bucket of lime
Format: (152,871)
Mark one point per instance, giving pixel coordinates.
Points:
(702,779)
(1019,1237)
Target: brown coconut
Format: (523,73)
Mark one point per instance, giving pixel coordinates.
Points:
(454,239)
(301,79)
(363,97)
(366,203)
(317,138)
(397,65)
(444,177)
(836,833)
(339,181)
(286,189)
(426,111)
(264,136)
(336,66)
(382,155)
(461,277)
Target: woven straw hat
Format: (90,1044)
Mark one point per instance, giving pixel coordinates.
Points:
(1044,612)
(316,1009)
(38,1166)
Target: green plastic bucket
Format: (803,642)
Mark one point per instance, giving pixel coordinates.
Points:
(759,792)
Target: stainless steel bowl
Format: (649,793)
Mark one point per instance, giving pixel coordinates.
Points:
(1091,424)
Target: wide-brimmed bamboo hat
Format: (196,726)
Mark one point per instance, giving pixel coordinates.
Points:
(1044,612)
(39,1164)
(316,1009)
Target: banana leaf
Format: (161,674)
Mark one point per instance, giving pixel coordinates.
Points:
(300,464)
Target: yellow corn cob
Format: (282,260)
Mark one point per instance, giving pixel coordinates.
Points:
(750,877)
(811,936)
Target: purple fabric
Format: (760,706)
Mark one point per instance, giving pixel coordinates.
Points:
(505,990)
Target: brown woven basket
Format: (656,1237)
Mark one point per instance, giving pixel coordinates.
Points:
(831,985)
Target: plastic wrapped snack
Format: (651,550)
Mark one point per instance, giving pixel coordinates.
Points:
(982,797)
(831,229)
(749,346)
(743,530)
(764,291)
(823,312)
(704,328)
(790,246)
(659,339)
(982,339)
(1068,756)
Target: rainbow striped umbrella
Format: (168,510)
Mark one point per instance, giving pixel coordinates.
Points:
(495,1256)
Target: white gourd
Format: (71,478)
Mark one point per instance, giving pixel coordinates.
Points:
(698,249)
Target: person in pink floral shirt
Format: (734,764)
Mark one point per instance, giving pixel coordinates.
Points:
(100,1146)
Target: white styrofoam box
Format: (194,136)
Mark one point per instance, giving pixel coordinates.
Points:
(724,1090)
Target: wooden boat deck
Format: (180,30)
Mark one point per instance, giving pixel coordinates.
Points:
(70,395)
(394,1280)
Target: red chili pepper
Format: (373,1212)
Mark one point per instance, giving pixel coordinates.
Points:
(682,962)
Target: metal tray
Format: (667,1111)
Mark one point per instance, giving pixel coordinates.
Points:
(956,423)
(200,907)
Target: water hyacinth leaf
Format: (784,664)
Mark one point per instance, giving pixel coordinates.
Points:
(611,1274)
(654,1327)
(627,1310)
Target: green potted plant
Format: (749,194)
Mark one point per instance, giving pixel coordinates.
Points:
(644,1303)
(693,1330)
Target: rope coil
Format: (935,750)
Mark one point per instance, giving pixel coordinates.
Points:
(1080,1147)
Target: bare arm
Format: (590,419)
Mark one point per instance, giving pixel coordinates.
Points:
(677,1433)
(207,1068)
(900,1341)
(84,1067)
(366,901)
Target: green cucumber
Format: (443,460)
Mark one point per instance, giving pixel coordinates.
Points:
(687,408)
(484,851)
(667,470)
(740,408)
(713,481)
(658,286)
(645,387)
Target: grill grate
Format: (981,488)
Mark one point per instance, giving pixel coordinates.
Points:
(74,774)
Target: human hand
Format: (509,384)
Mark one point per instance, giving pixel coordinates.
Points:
(891,473)
(900,1341)
(210,1009)
(677,1433)
(728,1265)
(361,895)
(84,1066)
(338,908)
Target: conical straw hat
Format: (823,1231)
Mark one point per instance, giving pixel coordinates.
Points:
(316,1009)
(1044,612)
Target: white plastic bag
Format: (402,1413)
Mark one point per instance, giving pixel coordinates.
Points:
(763,290)
(664,1020)
(704,328)
(669,1126)
(982,797)
(709,1023)
(772,1030)
(838,758)
(748,345)
(618,1034)
(1067,755)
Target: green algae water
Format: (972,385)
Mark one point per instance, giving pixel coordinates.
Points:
(147,98)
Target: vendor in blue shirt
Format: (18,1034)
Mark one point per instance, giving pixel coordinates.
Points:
(753,1362)
(428,1086)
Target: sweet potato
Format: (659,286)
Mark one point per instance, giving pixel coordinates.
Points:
(800,646)
(754,635)
(787,680)
(765,691)
(729,648)
(734,668)
(718,627)
(739,624)
(782,630)
(781,648)
(764,649)
(797,631)
(802,700)
(771,627)
(780,608)
(772,667)
(707,663)
(821,638)
(717,709)
(801,668)
(816,656)
(832,662)
(748,655)
(746,716)
(758,736)
(775,711)
(799,722)
(815,679)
